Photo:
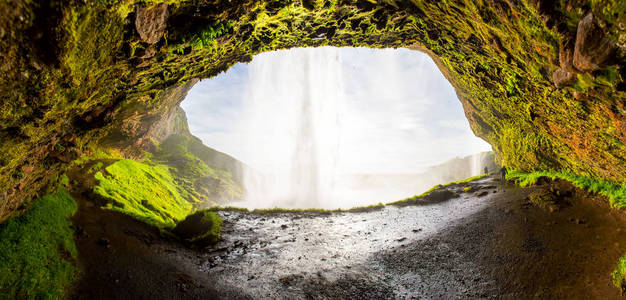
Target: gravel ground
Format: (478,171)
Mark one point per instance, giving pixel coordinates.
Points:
(496,245)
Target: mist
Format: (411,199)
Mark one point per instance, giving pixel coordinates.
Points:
(334,127)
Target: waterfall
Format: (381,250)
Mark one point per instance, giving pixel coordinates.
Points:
(478,163)
(292,116)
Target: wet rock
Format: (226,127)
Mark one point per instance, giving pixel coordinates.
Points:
(482,193)
(593,50)
(151,22)
(440,195)
(104,242)
(562,78)
(201,228)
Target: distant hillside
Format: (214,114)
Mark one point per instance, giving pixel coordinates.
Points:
(460,168)
(210,176)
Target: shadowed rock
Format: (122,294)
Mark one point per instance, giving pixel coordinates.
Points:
(592,50)
(562,78)
(202,228)
(151,22)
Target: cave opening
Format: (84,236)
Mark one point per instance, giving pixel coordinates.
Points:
(335,127)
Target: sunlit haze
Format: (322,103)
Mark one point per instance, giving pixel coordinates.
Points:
(305,120)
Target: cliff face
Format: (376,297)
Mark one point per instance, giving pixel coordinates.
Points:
(542,81)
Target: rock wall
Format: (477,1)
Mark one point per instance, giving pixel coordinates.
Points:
(542,81)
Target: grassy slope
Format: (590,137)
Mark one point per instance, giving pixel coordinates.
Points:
(201,181)
(162,189)
(37,249)
(143,191)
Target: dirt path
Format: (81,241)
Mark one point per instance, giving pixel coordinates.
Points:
(496,245)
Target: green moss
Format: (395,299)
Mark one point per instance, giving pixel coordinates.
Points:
(544,199)
(438,187)
(65,181)
(615,192)
(143,191)
(619,274)
(202,174)
(37,250)
(202,228)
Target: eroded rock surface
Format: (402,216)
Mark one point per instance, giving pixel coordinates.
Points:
(593,50)
(151,22)
(87,75)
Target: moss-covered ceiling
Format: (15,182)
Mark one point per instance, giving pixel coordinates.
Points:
(77,75)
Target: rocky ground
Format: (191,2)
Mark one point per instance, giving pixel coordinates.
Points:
(490,242)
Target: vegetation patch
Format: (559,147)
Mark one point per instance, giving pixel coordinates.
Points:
(615,192)
(436,193)
(619,274)
(37,250)
(144,191)
(202,174)
(201,228)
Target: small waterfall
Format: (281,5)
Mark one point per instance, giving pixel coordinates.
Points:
(294,105)
(479,162)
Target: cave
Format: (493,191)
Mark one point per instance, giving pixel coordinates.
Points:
(91,94)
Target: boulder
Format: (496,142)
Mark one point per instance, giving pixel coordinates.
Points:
(593,50)
(151,22)
(440,195)
(201,228)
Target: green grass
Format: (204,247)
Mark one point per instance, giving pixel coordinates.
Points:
(615,192)
(199,177)
(436,187)
(37,249)
(143,191)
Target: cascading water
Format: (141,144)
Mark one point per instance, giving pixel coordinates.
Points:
(295,105)
(477,164)
(336,127)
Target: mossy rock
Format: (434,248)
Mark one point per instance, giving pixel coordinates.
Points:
(545,199)
(201,229)
(83,74)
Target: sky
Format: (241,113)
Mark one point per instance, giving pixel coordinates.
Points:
(398,112)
